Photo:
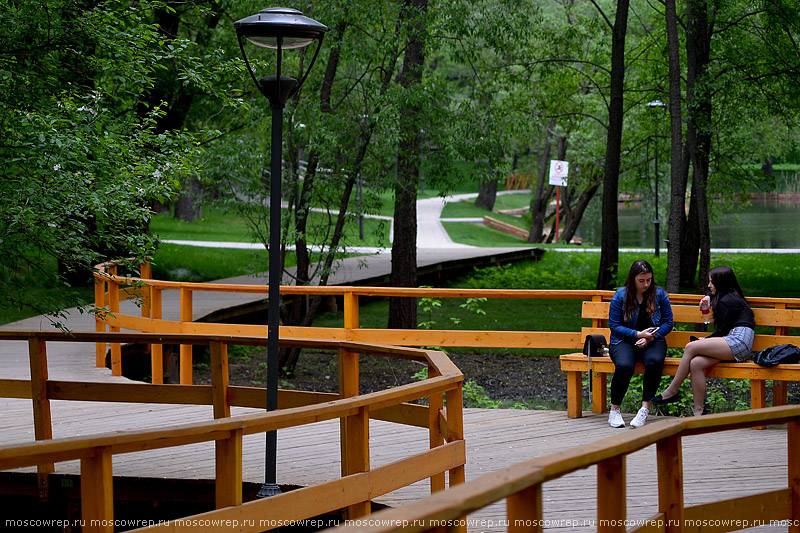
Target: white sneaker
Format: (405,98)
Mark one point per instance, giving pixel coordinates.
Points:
(615,419)
(641,416)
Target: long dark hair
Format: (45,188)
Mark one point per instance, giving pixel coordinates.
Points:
(725,282)
(639,266)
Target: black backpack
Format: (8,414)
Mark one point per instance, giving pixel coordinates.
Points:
(777,355)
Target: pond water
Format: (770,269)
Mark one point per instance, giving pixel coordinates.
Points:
(760,224)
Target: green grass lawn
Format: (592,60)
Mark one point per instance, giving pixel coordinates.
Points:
(467,209)
(512,201)
(227,226)
(216,225)
(480,235)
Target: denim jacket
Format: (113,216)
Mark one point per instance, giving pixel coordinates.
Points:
(622,330)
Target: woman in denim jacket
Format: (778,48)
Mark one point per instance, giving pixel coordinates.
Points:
(640,316)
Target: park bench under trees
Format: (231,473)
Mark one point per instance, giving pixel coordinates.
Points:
(769,313)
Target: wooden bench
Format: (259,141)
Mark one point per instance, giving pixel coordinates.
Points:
(781,317)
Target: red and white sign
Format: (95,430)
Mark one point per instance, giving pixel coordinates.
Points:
(558,173)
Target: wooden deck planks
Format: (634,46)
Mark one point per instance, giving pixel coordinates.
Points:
(717,466)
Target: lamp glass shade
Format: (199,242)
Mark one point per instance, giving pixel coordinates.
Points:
(275,25)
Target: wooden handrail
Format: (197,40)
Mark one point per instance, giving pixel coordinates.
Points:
(526,478)
(340,290)
(447,451)
(96,452)
(151,290)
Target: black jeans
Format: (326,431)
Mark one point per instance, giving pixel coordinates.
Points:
(624,355)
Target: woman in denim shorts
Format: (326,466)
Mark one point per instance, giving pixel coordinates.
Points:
(732,339)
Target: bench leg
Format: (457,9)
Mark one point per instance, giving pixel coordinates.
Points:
(574,394)
(758,396)
(598,392)
(758,393)
(779,393)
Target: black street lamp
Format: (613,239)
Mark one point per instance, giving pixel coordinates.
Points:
(280,29)
(656,222)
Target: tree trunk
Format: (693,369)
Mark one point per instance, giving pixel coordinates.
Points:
(487,194)
(690,240)
(574,213)
(678,170)
(403,311)
(609,254)
(698,55)
(189,206)
(541,197)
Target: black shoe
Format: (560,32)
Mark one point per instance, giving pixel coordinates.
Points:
(659,400)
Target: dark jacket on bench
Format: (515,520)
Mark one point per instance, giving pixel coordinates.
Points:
(622,329)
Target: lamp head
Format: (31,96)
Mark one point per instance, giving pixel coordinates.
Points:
(280,27)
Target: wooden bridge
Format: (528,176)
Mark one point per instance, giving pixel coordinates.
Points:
(172,428)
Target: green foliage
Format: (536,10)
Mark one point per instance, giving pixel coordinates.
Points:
(78,167)
(429,306)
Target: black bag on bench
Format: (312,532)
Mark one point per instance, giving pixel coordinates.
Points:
(778,355)
(593,345)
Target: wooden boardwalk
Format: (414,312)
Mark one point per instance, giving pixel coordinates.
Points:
(716,466)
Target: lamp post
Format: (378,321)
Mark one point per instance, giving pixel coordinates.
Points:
(279,29)
(656,222)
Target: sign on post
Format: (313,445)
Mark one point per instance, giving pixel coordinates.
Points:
(558,177)
(558,173)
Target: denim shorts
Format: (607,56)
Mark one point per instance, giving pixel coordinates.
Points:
(741,342)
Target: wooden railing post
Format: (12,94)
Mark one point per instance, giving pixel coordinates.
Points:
(455,428)
(186,349)
(793,463)
(99,324)
(97,496)
(358,455)
(435,404)
(353,430)
(524,510)
(145,273)
(348,373)
(669,460)
(42,420)
(228,486)
(219,379)
(611,495)
(351,317)
(156,350)
(113,308)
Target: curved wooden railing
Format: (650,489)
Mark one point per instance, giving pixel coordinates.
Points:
(359,483)
(111,289)
(520,485)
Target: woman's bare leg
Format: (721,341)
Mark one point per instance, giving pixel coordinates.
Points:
(698,369)
(715,347)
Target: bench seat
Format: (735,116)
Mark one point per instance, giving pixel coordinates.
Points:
(575,364)
(780,317)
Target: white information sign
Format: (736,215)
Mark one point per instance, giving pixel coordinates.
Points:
(558,173)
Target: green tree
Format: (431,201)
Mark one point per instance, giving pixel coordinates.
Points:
(78,168)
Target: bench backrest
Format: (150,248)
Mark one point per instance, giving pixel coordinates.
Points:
(780,319)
